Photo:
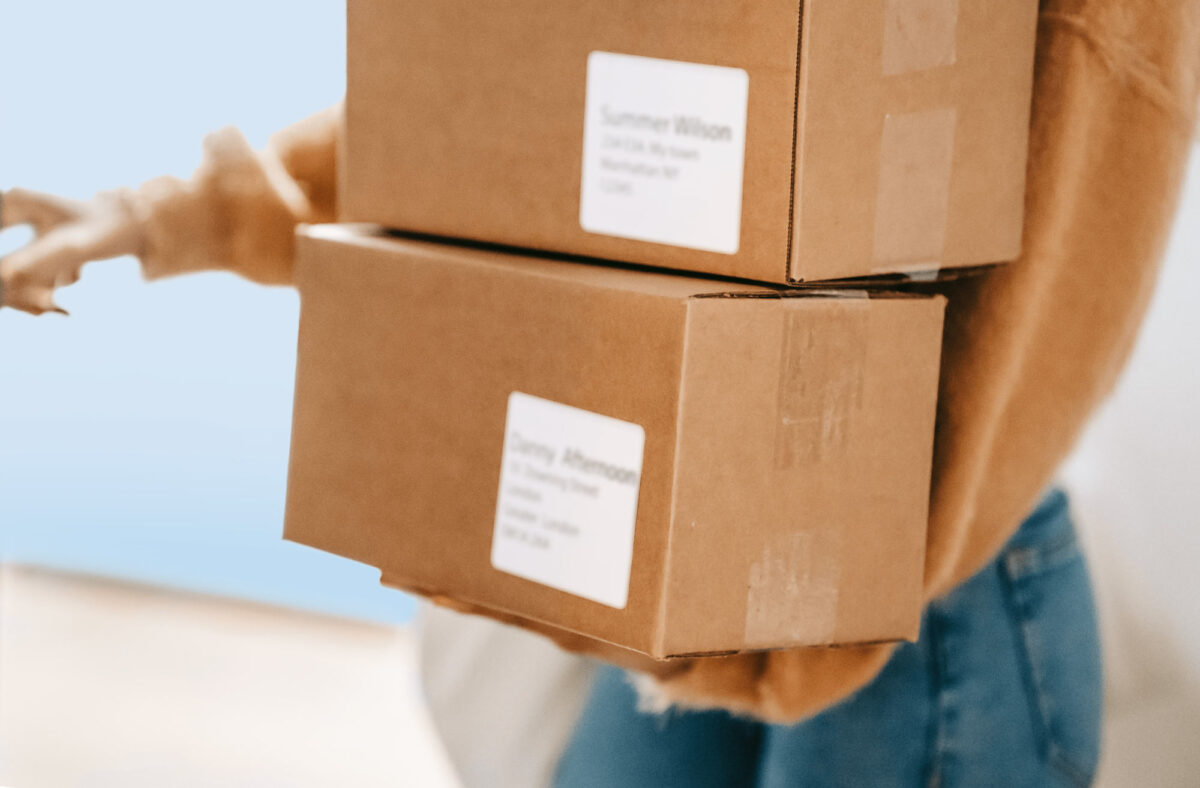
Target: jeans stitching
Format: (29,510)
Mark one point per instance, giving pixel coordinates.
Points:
(1020,562)
(1026,563)
(939,668)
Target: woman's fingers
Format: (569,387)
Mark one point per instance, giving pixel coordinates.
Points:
(60,254)
(34,300)
(29,276)
(43,212)
(70,235)
(20,291)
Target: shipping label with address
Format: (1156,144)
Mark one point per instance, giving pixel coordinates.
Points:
(663,151)
(565,513)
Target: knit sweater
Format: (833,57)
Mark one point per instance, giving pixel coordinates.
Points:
(1030,349)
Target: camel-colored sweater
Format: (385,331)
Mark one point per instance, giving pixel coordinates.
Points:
(1030,348)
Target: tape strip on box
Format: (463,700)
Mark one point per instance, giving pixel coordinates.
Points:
(919,34)
(916,157)
(820,381)
(912,201)
(793,590)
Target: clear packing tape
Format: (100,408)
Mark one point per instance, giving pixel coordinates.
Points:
(916,156)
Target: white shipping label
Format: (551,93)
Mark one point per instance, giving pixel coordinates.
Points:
(663,151)
(569,482)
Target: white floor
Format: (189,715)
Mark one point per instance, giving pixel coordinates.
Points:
(105,684)
(112,685)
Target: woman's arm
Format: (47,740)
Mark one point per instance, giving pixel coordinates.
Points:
(238,212)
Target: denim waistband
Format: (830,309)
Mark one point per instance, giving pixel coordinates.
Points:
(1050,521)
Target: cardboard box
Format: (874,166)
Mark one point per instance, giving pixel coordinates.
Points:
(669,464)
(779,140)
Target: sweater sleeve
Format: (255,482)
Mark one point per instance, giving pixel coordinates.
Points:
(239,211)
(1031,348)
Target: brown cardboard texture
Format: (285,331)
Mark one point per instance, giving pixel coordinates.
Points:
(779,141)
(669,464)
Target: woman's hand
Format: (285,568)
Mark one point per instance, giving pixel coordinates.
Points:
(69,233)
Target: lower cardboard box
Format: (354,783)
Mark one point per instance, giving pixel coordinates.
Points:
(672,465)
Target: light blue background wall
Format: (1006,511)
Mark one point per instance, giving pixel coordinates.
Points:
(146,436)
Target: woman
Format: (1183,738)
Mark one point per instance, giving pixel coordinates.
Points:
(1003,686)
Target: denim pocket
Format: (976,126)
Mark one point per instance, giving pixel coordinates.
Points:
(1050,601)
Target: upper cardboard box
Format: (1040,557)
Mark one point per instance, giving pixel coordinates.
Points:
(779,140)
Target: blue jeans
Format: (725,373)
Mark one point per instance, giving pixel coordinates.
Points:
(1002,689)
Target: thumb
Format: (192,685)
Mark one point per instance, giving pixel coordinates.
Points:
(27,296)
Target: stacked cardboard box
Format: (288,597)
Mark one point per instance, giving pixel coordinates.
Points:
(774,140)
(671,464)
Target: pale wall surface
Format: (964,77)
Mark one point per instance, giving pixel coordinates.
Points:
(1136,485)
(147,435)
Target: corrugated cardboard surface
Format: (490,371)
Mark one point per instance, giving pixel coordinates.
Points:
(893,136)
(913,134)
(803,447)
(788,440)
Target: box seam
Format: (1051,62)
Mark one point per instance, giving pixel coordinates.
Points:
(660,626)
(791,226)
(433,249)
